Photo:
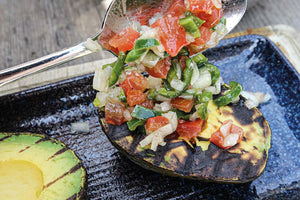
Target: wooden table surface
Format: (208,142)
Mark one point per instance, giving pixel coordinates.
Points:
(34,28)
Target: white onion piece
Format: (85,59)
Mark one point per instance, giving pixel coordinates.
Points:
(196,74)
(225,128)
(189,38)
(231,140)
(80,127)
(92,45)
(163,107)
(178,70)
(187,4)
(101,78)
(193,116)
(255,98)
(221,29)
(127,115)
(217,3)
(186,96)
(101,96)
(153,82)
(215,89)
(157,137)
(177,84)
(203,81)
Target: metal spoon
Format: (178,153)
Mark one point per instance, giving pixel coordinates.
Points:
(119,14)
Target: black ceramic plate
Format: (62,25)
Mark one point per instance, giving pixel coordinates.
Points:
(252,60)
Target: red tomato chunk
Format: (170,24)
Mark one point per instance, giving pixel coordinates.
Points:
(134,81)
(114,112)
(124,40)
(135,97)
(172,35)
(185,105)
(155,123)
(227,135)
(160,70)
(189,129)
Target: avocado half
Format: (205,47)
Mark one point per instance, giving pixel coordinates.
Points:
(34,167)
(242,163)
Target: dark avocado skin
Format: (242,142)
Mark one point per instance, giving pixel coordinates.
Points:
(38,139)
(240,164)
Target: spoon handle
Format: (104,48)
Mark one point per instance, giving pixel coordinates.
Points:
(14,73)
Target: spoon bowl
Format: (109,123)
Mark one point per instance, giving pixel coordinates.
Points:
(119,14)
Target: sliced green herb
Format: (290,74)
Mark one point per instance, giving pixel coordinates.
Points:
(117,69)
(134,54)
(134,123)
(145,43)
(152,94)
(202,111)
(143,113)
(229,96)
(187,76)
(122,96)
(200,59)
(214,72)
(190,26)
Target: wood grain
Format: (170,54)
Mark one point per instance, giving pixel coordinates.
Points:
(34,28)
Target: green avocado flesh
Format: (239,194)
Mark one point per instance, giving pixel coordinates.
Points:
(242,163)
(33,167)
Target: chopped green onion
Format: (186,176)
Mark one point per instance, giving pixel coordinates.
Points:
(214,72)
(204,97)
(202,111)
(230,95)
(184,52)
(122,96)
(187,76)
(196,19)
(190,26)
(143,113)
(145,43)
(117,69)
(152,94)
(150,59)
(200,59)
(223,20)
(134,54)
(134,123)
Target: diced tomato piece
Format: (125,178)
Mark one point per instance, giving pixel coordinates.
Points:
(172,35)
(135,97)
(233,135)
(114,112)
(201,6)
(185,105)
(189,129)
(147,103)
(204,38)
(176,9)
(211,19)
(143,14)
(160,70)
(134,81)
(124,40)
(155,123)
(104,38)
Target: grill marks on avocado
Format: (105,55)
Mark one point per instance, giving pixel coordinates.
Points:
(62,170)
(241,163)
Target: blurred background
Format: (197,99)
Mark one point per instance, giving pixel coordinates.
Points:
(34,28)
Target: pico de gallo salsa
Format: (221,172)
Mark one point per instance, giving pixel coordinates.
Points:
(156,85)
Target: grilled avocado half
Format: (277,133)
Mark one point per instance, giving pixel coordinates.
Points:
(34,167)
(242,163)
